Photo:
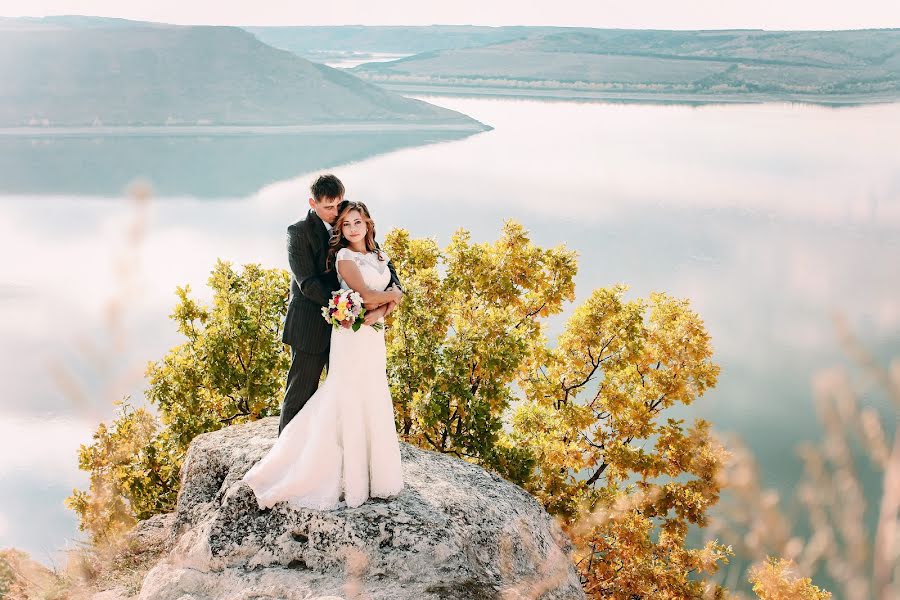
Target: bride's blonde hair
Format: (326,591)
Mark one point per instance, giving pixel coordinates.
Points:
(338,241)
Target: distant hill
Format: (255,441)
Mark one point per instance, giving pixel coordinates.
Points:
(766,64)
(313,41)
(222,75)
(76,71)
(69,22)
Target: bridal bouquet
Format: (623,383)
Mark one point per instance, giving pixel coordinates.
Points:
(346,309)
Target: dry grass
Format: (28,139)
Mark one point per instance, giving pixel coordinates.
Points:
(103,348)
(864,565)
(89,567)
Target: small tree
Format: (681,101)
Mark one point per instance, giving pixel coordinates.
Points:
(120,488)
(627,482)
(232,366)
(230,369)
(470,320)
(471,327)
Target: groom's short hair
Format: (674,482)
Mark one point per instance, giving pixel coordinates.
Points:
(327,186)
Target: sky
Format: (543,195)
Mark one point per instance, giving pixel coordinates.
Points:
(638,14)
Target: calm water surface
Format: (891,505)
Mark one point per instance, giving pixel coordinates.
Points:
(769,218)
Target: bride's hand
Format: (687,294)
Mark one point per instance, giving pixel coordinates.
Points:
(372,316)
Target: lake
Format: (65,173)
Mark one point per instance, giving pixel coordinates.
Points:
(770,218)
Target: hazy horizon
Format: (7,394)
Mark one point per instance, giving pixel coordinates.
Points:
(802,15)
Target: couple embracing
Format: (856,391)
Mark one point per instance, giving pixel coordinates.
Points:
(343,442)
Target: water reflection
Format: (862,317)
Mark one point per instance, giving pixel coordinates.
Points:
(222,166)
(768,217)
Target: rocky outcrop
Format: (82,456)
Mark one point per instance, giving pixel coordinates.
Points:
(455,532)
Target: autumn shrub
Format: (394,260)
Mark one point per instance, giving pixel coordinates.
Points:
(581,423)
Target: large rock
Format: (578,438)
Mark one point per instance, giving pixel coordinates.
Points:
(455,532)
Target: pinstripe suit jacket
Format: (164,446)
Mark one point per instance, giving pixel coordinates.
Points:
(311,285)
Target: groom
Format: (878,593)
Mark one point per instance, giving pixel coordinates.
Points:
(305,330)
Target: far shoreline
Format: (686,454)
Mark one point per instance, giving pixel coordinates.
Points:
(230,130)
(636,97)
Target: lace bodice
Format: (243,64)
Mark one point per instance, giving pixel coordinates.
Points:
(375,272)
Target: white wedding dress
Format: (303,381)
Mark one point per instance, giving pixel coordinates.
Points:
(344,438)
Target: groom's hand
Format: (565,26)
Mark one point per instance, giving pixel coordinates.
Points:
(395,288)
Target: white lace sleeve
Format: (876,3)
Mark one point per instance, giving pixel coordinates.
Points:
(348,254)
(343,254)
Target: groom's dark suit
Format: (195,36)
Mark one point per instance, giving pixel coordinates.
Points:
(305,330)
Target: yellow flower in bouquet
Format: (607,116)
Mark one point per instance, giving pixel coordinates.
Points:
(346,309)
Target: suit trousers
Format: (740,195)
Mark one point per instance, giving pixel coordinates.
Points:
(302,382)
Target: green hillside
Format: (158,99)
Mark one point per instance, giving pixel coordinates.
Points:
(701,63)
(85,73)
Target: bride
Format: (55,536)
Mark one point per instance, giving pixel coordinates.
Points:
(344,438)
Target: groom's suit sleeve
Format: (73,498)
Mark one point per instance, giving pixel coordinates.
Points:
(394,279)
(304,268)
